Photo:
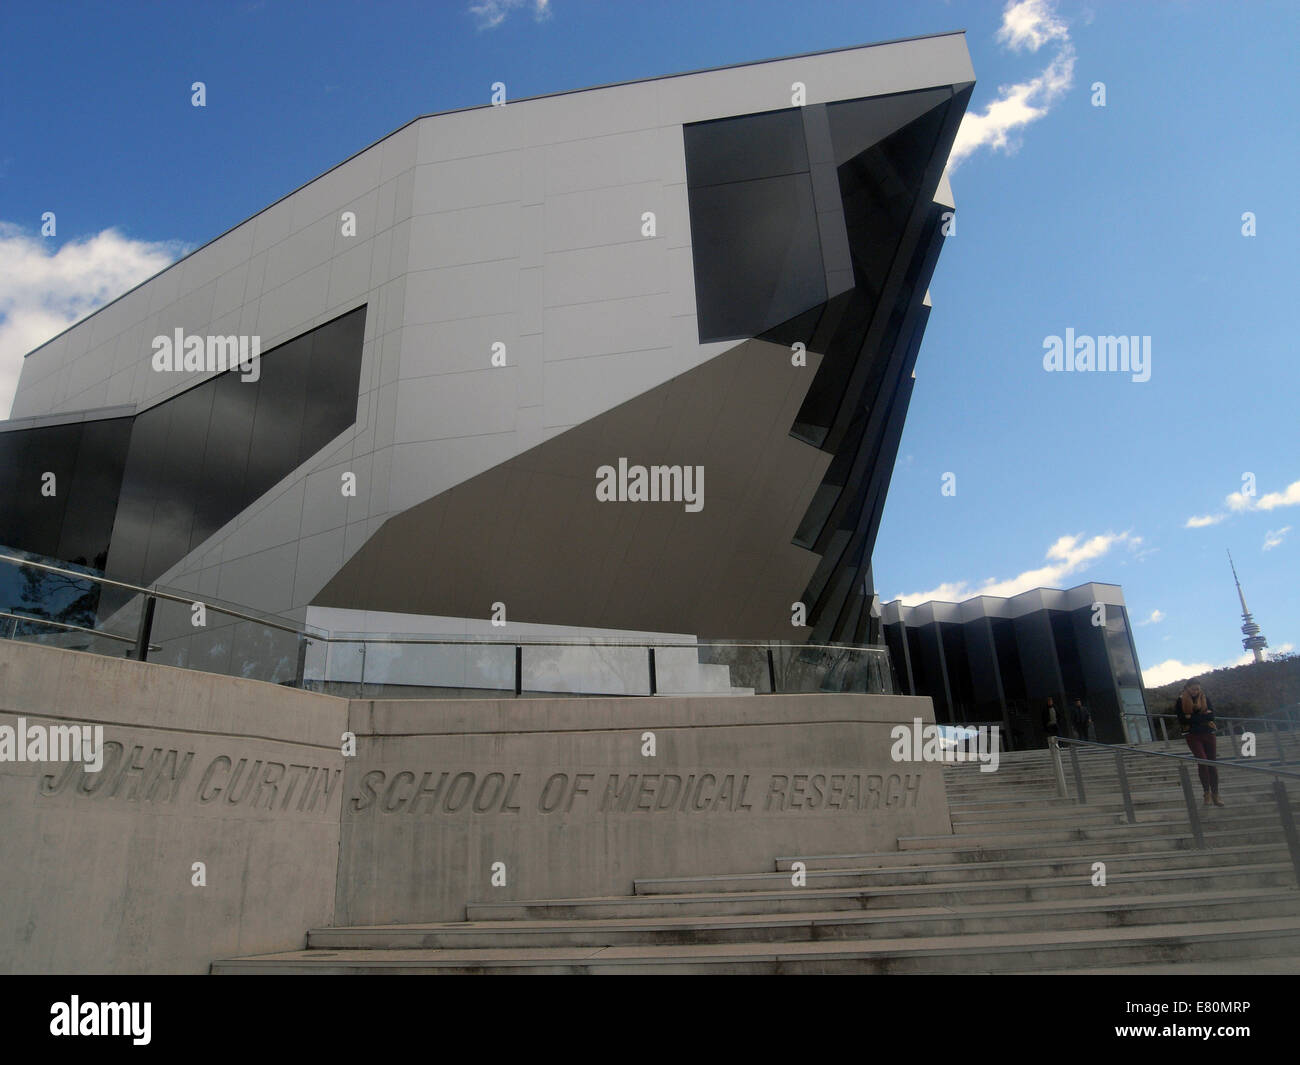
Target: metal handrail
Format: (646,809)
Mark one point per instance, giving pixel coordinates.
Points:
(65,625)
(702,644)
(1280,797)
(1217,717)
(1271,725)
(155,593)
(308,634)
(1178,757)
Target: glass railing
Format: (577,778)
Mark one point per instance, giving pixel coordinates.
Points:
(76,608)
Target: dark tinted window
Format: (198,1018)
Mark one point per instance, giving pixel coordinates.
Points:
(200,458)
(92,496)
(74,523)
(179,485)
(144,463)
(741,149)
(277,421)
(757,255)
(332,382)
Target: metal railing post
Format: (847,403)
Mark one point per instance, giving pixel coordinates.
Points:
(1078,773)
(519,669)
(300,671)
(1288,825)
(771,672)
(1129,812)
(146,628)
(1193,815)
(1059,769)
(1164,729)
(1277,738)
(654,681)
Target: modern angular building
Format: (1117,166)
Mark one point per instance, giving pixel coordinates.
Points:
(719,276)
(991,659)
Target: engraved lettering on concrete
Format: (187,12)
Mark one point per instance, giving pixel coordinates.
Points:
(442,792)
(208,791)
(617,798)
(485,798)
(392,800)
(453,802)
(425,792)
(128,774)
(552,792)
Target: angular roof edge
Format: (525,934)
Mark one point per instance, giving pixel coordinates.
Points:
(898,603)
(479,107)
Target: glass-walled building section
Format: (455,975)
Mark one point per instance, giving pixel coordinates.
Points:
(991,660)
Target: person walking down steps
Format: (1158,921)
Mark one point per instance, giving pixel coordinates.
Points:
(1196,719)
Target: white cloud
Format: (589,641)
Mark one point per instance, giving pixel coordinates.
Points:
(42,292)
(1239,503)
(1026,25)
(1171,669)
(1288,497)
(1274,537)
(491,13)
(1030,24)
(1066,556)
(1156,617)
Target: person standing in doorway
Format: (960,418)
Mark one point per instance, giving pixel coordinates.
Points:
(1051,720)
(1196,719)
(1082,719)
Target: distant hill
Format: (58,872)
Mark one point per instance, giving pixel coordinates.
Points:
(1255,690)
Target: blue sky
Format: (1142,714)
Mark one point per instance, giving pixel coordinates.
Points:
(1117,220)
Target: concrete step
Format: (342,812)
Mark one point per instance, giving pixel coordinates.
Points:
(1042,867)
(1097,913)
(961,852)
(995,805)
(1282,965)
(1277,875)
(976,953)
(1098,833)
(1146,814)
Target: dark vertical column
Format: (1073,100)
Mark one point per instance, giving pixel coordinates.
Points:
(1042,672)
(986,678)
(936,669)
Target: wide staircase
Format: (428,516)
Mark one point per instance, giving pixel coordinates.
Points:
(1015,889)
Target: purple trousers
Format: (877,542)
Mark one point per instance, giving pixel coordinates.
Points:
(1202,746)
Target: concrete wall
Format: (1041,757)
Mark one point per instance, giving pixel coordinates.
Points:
(559,791)
(96,868)
(247,777)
